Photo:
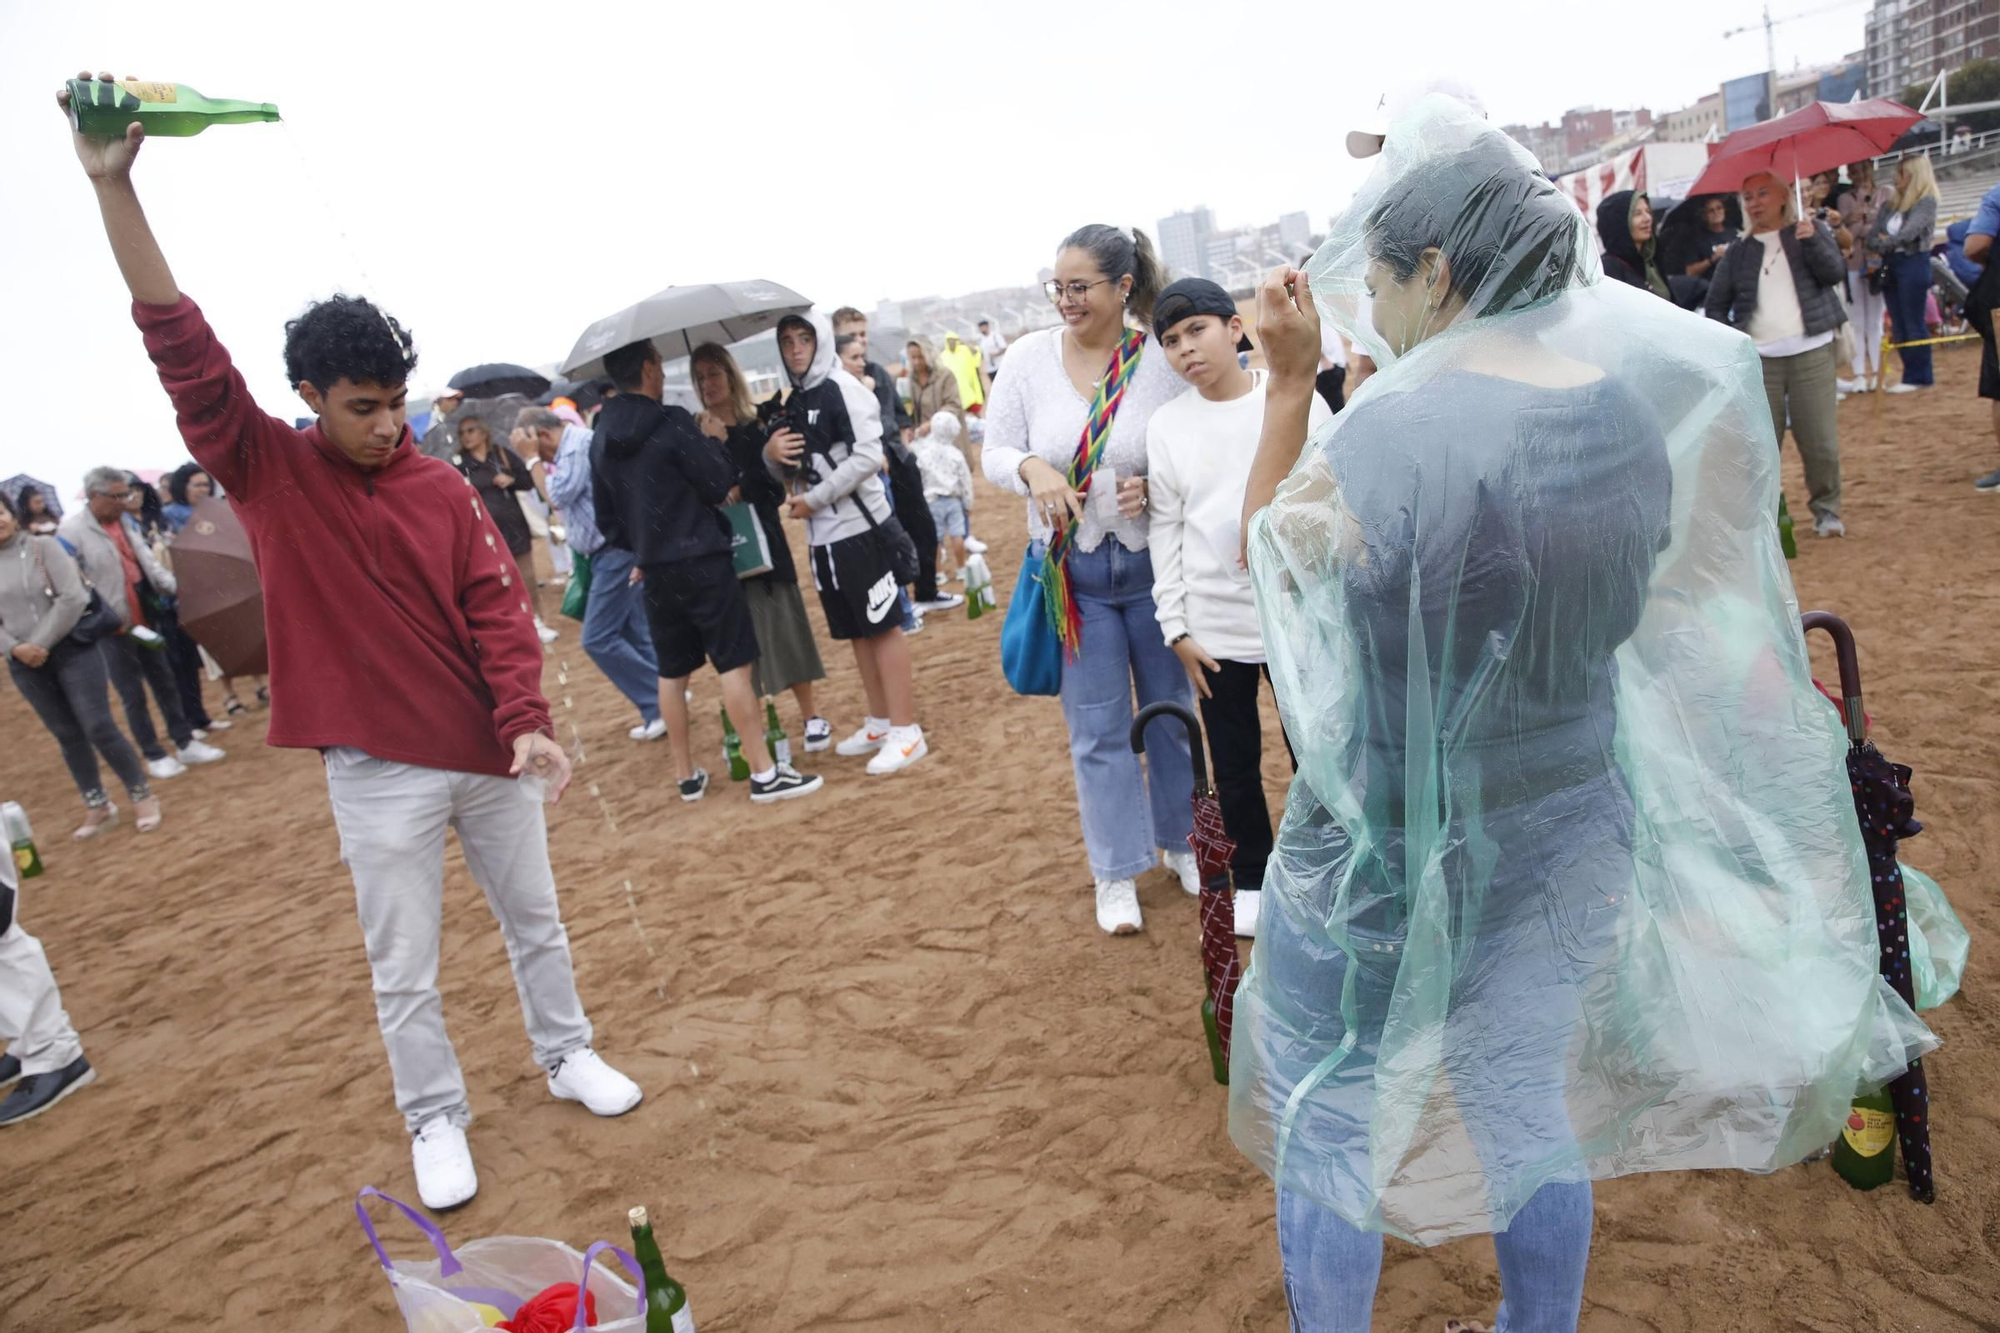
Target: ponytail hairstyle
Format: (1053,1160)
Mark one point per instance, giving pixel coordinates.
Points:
(1120,253)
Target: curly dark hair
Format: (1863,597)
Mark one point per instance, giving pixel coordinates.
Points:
(348,338)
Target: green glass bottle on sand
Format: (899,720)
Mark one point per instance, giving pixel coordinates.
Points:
(1865,1153)
(774,735)
(666,1299)
(732,750)
(1786,541)
(103,110)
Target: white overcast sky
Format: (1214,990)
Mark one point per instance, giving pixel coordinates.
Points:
(499,174)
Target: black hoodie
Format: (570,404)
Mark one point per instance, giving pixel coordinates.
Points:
(1623,259)
(656,480)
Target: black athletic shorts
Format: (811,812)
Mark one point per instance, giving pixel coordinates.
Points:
(858,584)
(1989,364)
(696,609)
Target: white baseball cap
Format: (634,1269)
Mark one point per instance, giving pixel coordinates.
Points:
(1366,140)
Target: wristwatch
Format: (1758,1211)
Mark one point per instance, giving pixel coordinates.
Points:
(1177,638)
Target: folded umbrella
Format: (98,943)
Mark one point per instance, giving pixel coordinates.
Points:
(1212,847)
(680,319)
(221,601)
(497,378)
(1883,802)
(1818,137)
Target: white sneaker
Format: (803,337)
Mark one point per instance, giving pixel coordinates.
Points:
(1845,386)
(169,767)
(547,635)
(200,733)
(584,1077)
(1118,907)
(975,546)
(868,740)
(819,735)
(942,601)
(1183,864)
(649,731)
(903,747)
(216,724)
(445,1178)
(1905,388)
(201,752)
(1247,903)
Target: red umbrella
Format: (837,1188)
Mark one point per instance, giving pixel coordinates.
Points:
(221,601)
(1815,138)
(1212,849)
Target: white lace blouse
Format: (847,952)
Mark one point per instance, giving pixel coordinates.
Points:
(1035,409)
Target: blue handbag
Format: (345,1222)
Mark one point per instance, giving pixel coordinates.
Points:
(1030,653)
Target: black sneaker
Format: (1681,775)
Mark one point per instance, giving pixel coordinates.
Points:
(1990,483)
(783,785)
(696,787)
(36,1093)
(10,1069)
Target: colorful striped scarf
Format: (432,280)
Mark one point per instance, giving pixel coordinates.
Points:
(1064,613)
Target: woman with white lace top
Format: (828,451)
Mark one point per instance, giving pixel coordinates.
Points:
(1129,809)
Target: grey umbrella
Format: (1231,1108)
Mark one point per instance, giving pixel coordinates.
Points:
(680,319)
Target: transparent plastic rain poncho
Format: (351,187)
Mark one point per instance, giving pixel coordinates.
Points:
(1570,883)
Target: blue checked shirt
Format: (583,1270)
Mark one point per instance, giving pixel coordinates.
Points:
(569,489)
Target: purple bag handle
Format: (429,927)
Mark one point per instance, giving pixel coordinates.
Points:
(583,1283)
(447,1261)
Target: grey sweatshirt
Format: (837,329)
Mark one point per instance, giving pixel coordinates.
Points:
(27,613)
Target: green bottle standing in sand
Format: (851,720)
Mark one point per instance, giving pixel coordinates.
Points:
(1786,541)
(732,750)
(27,861)
(978,588)
(1865,1152)
(1213,1030)
(103,110)
(666,1299)
(774,735)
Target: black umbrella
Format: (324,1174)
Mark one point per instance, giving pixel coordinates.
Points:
(1680,227)
(1885,806)
(585,393)
(496,378)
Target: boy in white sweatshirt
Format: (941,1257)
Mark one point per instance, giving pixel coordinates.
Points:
(1198,452)
(947,486)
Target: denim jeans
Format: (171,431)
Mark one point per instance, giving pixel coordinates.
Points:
(1128,808)
(1909,283)
(615,633)
(1331,1265)
(69,693)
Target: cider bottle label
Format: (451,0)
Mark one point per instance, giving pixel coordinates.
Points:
(1869,1131)
(149,91)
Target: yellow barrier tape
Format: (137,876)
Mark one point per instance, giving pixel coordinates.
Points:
(1888,346)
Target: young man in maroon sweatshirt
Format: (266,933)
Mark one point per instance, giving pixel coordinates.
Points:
(403,649)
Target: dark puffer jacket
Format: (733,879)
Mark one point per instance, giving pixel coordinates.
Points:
(1817,274)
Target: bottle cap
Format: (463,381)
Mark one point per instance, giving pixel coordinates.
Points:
(638,1216)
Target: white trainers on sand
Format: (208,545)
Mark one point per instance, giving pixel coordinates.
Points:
(584,1077)
(445,1178)
(1118,907)
(1247,903)
(1183,864)
(546,633)
(649,731)
(868,740)
(903,747)
(201,752)
(167,767)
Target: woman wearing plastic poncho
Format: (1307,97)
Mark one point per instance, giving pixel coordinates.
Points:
(1568,885)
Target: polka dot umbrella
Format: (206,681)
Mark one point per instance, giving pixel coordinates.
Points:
(1883,801)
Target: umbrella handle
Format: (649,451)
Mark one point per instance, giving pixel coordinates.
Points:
(1850,668)
(1187,719)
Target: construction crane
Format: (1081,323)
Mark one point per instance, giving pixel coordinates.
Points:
(1770,27)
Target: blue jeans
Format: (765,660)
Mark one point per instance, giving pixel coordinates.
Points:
(1331,1265)
(615,633)
(1909,284)
(1128,809)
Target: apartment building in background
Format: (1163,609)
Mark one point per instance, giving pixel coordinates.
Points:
(1910,41)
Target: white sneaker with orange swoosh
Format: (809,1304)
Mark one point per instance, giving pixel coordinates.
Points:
(904,747)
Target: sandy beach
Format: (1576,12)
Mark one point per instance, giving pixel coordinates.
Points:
(895,1077)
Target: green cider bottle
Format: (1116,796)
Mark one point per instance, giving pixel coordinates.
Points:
(732,750)
(1213,1031)
(1865,1152)
(774,735)
(666,1299)
(103,109)
(1786,540)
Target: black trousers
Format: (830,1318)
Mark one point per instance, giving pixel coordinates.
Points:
(185,658)
(68,694)
(1236,760)
(906,493)
(133,668)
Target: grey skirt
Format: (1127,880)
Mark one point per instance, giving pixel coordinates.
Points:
(787,654)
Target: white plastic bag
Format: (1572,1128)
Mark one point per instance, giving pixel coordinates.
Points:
(437,1295)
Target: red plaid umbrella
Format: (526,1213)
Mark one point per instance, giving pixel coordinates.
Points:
(1883,802)
(1212,849)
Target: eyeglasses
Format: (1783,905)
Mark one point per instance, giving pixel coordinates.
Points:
(1078,292)
(120,496)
